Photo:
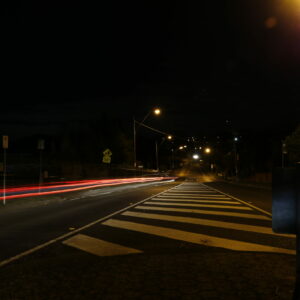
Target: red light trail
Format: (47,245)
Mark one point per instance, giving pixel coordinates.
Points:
(69,186)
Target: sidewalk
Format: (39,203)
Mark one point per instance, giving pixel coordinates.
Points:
(241,182)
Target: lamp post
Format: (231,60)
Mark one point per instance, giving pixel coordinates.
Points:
(236,158)
(4,146)
(156,152)
(157,112)
(157,147)
(41,147)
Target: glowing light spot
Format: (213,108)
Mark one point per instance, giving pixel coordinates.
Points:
(207,150)
(271,22)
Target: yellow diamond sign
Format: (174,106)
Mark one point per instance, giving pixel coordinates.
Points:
(107,156)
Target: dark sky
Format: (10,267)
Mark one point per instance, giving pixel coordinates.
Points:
(203,62)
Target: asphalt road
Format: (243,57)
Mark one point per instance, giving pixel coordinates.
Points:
(183,240)
(29,222)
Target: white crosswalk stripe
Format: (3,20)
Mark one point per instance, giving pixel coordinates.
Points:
(198,201)
(201,207)
(192,197)
(205,212)
(195,238)
(97,246)
(206,222)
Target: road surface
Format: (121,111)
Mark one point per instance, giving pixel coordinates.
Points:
(182,239)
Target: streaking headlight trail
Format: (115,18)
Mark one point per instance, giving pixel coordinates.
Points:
(69,186)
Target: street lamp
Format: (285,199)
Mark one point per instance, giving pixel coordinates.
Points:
(157,112)
(207,150)
(170,137)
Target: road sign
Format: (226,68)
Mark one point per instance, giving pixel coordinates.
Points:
(107,156)
(106,159)
(4,141)
(107,152)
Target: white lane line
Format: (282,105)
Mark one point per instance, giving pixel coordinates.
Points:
(194,191)
(205,212)
(198,201)
(206,222)
(195,238)
(199,205)
(59,238)
(194,197)
(244,202)
(97,246)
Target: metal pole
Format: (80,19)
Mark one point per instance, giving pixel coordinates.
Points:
(172,158)
(156,151)
(41,171)
(134,144)
(4,176)
(235,161)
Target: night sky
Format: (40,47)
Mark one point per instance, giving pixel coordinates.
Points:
(202,62)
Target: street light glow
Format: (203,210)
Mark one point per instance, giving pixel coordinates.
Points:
(195,156)
(181,147)
(157,111)
(207,150)
(169,137)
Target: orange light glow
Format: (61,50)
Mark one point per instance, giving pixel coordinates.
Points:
(271,22)
(157,111)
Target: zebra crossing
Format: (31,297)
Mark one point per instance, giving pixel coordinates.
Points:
(191,213)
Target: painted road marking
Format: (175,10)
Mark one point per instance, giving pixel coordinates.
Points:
(205,212)
(195,238)
(195,194)
(206,222)
(193,191)
(97,246)
(244,202)
(194,197)
(199,205)
(199,201)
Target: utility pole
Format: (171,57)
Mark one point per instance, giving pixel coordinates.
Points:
(4,146)
(156,151)
(172,158)
(235,158)
(134,144)
(41,147)
(156,111)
